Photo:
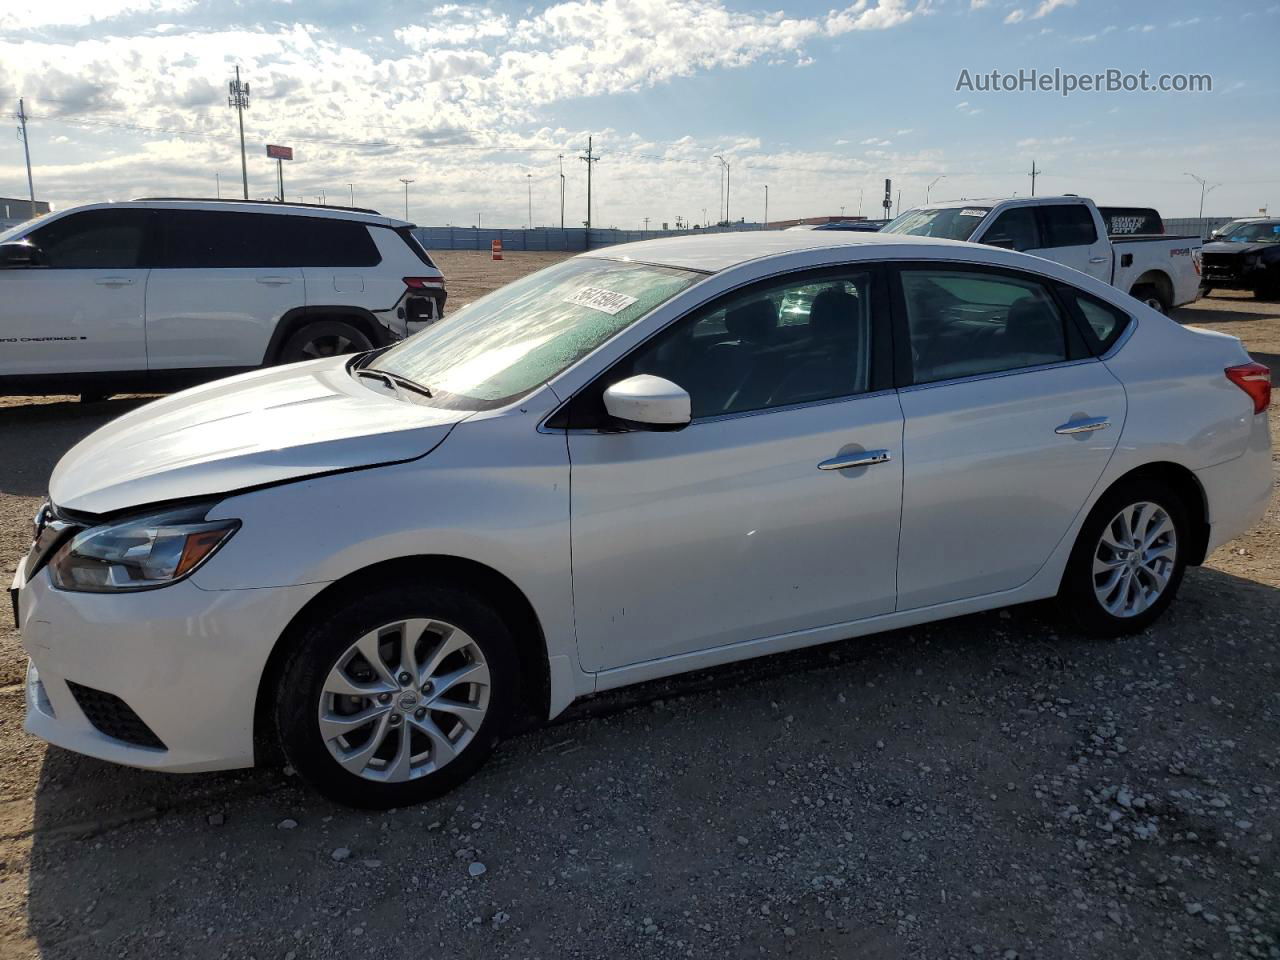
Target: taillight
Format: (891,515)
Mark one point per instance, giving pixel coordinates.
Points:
(1255,380)
(421,283)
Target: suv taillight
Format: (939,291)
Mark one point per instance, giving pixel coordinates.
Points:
(421,283)
(1255,380)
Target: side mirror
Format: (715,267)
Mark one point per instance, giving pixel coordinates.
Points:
(19,253)
(1004,243)
(648,403)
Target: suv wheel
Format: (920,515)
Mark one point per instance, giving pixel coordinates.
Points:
(397,696)
(1128,561)
(323,338)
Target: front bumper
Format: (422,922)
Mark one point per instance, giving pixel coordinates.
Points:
(186,661)
(1231,273)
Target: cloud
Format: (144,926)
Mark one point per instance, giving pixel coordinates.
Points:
(875,142)
(1016,16)
(1190,22)
(1045,142)
(31,14)
(1048,6)
(871,15)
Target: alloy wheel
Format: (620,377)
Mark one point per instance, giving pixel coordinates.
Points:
(332,345)
(404,700)
(1134,559)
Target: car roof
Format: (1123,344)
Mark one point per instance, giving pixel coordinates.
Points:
(713,252)
(992,201)
(248,206)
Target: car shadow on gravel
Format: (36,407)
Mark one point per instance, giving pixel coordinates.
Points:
(892,795)
(43,432)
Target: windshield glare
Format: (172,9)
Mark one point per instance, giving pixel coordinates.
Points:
(520,336)
(1255,233)
(952,223)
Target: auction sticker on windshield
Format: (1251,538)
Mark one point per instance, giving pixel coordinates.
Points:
(598,298)
(973,213)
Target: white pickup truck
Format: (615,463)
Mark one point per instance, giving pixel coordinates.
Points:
(1161,271)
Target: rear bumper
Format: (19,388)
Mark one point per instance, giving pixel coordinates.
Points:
(1237,492)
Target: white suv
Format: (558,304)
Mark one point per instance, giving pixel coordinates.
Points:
(155,294)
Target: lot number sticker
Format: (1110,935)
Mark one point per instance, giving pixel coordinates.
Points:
(598,298)
(973,213)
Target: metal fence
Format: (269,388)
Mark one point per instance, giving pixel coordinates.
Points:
(1194,226)
(550,238)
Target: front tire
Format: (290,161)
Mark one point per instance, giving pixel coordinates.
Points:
(398,695)
(323,338)
(1128,560)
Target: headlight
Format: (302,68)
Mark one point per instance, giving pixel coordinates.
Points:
(140,553)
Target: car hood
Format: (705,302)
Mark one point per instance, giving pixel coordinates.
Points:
(1235,248)
(259,428)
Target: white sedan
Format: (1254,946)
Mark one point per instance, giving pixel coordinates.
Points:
(641,461)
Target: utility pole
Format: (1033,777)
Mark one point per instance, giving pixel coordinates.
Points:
(217,183)
(1205,188)
(765,225)
(239,99)
(529,180)
(1034,174)
(646,224)
(562,191)
(406,181)
(352,188)
(860,201)
(724,191)
(26,149)
(897,208)
(590,159)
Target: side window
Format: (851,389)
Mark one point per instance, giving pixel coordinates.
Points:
(1016,229)
(965,323)
(1105,321)
(768,346)
(1068,225)
(211,239)
(322,242)
(94,239)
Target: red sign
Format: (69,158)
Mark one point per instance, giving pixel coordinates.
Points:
(279,153)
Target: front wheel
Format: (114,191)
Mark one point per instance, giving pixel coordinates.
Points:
(1128,560)
(398,695)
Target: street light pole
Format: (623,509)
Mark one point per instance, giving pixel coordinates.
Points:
(406,181)
(930,186)
(529,180)
(562,191)
(1204,189)
(352,187)
(765,225)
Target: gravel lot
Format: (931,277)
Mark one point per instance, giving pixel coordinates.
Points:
(993,786)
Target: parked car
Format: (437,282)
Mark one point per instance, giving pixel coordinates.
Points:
(648,459)
(1217,233)
(1245,258)
(868,226)
(1162,272)
(156,294)
(1131,221)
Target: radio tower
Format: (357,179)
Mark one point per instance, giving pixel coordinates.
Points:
(239,98)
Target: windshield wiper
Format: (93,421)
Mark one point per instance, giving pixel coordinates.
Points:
(394,380)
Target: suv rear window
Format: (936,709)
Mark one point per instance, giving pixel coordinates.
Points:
(214,239)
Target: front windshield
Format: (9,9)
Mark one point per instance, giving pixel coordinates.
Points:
(1255,233)
(953,223)
(521,335)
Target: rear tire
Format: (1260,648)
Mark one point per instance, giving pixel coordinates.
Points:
(452,724)
(1110,589)
(1151,296)
(323,338)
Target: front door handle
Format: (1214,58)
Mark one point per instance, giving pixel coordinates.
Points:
(861,458)
(114,281)
(274,281)
(1097,259)
(1086,425)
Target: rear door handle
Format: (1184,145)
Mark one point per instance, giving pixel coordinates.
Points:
(1087,425)
(114,281)
(274,281)
(1097,259)
(862,458)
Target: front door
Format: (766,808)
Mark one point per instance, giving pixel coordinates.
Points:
(79,307)
(743,525)
(1008,426)
(1071,237)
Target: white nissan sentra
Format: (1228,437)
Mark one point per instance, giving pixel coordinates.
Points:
(641,461)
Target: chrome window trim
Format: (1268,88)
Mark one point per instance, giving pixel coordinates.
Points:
(1121,340)
(996,374)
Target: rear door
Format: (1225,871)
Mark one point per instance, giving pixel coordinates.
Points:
(338,260)
(1008,424)
(79,308)
(1070,236)
(219,289)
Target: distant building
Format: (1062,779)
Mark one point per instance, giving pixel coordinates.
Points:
(14,212)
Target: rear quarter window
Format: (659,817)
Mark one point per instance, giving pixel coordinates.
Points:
(1101,323)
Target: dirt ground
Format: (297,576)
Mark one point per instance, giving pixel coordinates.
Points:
(993,786)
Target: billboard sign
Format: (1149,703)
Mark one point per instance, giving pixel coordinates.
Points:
(276,152)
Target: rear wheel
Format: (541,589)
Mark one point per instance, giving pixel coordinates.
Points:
(1128,560)
(324,338)
(397,696)
(1151,296)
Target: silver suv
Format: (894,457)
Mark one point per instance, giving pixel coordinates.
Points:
(156,294)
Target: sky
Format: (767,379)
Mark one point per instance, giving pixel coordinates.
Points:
(476,103)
